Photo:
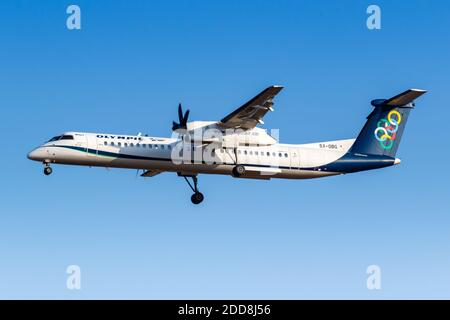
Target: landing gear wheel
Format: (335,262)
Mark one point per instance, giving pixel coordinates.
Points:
(239,170)
(48,171)
(197,198)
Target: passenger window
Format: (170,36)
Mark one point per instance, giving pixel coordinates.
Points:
(125,144)
(268,154)
(112,143)
(279,154)
(105,143)
(256,152)
(144,145)
(169,147)
(285,155)
(131,145)
(149,146)
(162,147)
(274,154)
(245,152)
(251,152)
(119,144)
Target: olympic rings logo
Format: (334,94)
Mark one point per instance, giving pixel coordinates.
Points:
(387,128)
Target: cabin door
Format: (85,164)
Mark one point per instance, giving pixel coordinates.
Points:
(91,145)
(295,158)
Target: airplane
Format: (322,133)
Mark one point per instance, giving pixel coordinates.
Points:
(237,146)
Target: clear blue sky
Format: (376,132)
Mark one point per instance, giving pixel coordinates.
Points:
(126,71)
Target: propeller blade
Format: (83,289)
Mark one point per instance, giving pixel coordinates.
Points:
(180,113)
(185,118)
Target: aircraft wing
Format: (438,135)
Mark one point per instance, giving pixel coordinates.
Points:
(251,113)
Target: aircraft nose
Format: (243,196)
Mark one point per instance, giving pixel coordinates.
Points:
(36,154)
(31,155)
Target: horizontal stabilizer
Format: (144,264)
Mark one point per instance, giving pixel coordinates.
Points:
(399,100)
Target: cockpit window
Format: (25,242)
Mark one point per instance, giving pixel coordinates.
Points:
(63,137)
(55,138)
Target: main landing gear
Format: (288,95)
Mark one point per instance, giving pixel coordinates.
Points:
(238,171)
(197,197)
(47,169)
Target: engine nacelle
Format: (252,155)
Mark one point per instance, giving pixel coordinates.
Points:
(201,132)
(253,137)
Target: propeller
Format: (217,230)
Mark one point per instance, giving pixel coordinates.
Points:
(182,119)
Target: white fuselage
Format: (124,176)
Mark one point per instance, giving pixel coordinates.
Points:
(293,161)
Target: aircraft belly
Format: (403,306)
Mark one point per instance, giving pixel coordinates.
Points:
(304,174)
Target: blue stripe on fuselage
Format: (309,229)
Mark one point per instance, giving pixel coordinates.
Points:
(352,162)
(348,163)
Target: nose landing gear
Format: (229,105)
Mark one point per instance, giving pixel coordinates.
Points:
(197,197)
(47,169)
